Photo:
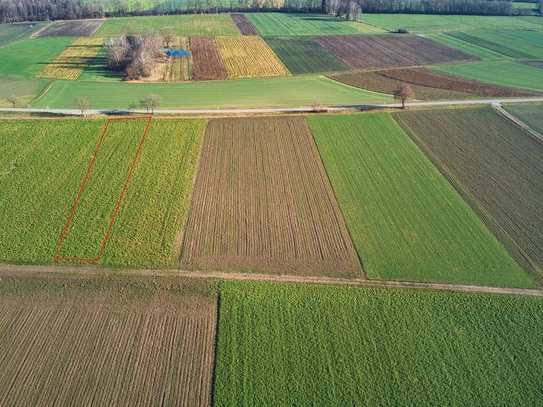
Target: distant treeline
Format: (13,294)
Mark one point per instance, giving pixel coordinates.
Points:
(40,10)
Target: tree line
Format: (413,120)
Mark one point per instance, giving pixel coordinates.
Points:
(43,10)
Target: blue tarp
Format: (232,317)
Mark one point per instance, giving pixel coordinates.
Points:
(177,53)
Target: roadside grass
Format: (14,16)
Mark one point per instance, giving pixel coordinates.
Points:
(406,220)
(29,57)
(283,24)
(247,93)
(183,25)
(42,166)
(503,73)
(311,345)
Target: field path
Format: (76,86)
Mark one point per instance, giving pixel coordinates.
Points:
(11,270)
(518,122)
(302,109)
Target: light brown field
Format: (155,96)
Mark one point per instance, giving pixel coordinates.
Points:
(263,202)
(137,342)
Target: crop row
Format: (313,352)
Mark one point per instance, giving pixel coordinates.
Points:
(71,62)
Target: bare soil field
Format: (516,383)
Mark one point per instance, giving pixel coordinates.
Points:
(375,81)
(106,341)
(244,24)
(427,77)
(390,51)
(206,61)
(75,28)
(263,202)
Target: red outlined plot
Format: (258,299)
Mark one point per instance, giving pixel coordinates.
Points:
(84,183)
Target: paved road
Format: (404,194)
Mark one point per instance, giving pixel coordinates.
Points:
(277,110)
(9,270)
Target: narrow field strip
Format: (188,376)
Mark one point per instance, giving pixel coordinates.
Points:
(263,202)
(85,235)
(206,60)
(407,221)
(71,63)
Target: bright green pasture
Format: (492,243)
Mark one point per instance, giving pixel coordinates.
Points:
(428,22)
(183,25)
(303,55)
(310,345)
(504,73)
(534,37)
(484,53)
(500,42)
(281,24)
(532,115)
(29,57)
(42,166)
(406,220)
(276,92)
(10,33)
(24,88)
(97,70)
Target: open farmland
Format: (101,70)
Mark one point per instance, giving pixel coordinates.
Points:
(535,37)
(175,68)
(482,53)
(263,202)
(106,341)
(183,26)
(307,345)
(24,88)
(206,60)
(29,57)
(495,166)
(390,51)
(501,73)
(532,115)
(249,57)
(74,28)
(72,61)
(97,70)
(243,24)
(281,24)
(406,221)
(303,55)
(11,33)
(42,167)
(428,77)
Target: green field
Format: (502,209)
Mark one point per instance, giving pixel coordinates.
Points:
(535,37)
(303,55)
(305,345)
(11,33)
(499,42)
(24,88)
(282,24)
(495,166)
(406,221)
(532,115)
(97,70)
(269,92)
(484,53)
(183,25)
(42,166)
(503,73)
(427,22)
(29,57)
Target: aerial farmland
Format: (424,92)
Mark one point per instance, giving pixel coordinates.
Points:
(231,208)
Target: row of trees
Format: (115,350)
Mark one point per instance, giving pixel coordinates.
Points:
(41,10)
(150,103)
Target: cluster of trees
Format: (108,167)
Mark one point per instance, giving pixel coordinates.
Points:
(352,9)
(42,10)
(135,54)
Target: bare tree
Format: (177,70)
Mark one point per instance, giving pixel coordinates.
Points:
(404,93)
(14,99)
(83,103)
(150,103)
(168,35)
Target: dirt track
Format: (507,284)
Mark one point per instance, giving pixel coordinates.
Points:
(10,270)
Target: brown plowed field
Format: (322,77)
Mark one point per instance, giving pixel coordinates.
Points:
(206,61)
(138,343)
(390,51)
(75,28)
(263,202)
(376,82)
(244,25)
(428,77)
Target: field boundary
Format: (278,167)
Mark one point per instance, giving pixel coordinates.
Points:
(82,188)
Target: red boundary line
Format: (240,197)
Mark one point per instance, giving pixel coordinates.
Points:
(65,231)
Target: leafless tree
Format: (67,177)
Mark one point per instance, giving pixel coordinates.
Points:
(13,99)
(168,35)
(404,93)
(83,103)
